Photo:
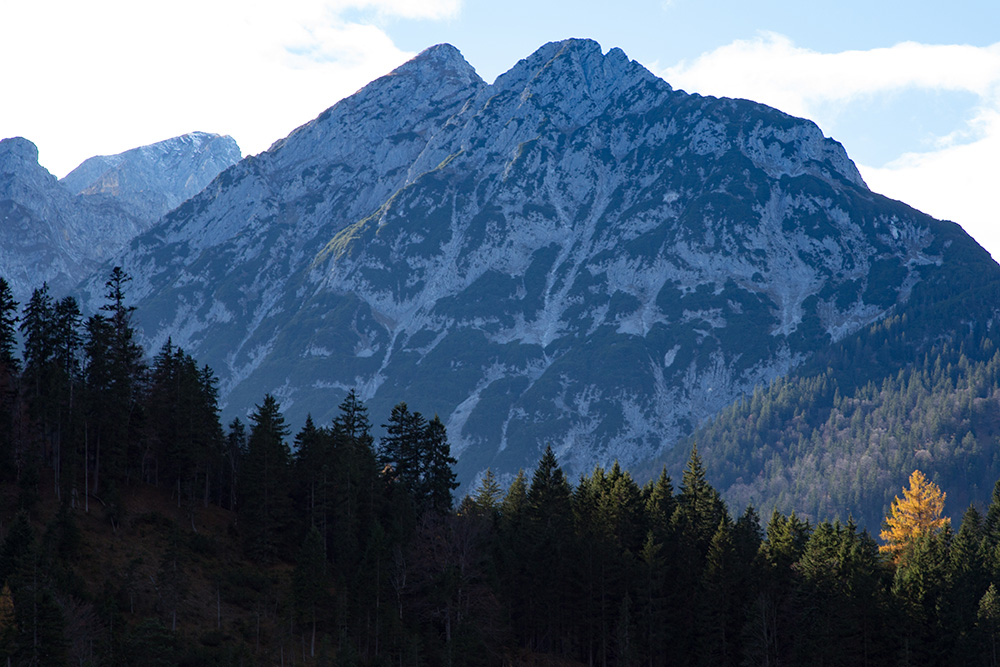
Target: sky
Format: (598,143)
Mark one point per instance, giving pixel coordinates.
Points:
(911,89)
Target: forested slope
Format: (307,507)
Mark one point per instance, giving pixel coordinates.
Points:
(919,389)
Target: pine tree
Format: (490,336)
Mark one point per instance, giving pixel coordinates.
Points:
(488,495)
(969,578)
(264,506)
(127,375)
(65,456)
(234,452)
(988,615)
(719,606)
(100,405)
(38,382)
(439,479)
(309,581)
(660,505)
(699,507)
(8,328)
(991,525)
(419,457)
(399,450)
(917,513)
(921,593)
(349,492)
(549,532)
(9,372)
(311,460)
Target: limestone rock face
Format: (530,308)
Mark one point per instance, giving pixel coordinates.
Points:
(576,255)
(151,180)
(59,231)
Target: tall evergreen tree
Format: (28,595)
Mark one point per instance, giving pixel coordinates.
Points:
(9,375)
(309,582)
(439,479)
(8,328)
(699,507)
(549,533)
(265,504)
(127,372)
(720,604)
(350,498)
(65,454)
(488,495)
(311,465)
(418,454)
(235,451)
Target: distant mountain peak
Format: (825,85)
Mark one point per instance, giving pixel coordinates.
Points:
(58,231)
(151,180)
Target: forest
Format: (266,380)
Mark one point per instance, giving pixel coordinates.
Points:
(137,530)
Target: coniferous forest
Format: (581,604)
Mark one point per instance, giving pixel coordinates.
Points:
(138,530)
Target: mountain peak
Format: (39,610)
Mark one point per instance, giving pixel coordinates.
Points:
(20,149)
(580,62)
(576,254)
(442,61)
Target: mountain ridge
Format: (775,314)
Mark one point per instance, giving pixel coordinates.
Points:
(576,254)
(57,232)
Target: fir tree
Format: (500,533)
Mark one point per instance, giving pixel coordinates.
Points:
(439,480)
(8,329)
(265,505)
(9,372)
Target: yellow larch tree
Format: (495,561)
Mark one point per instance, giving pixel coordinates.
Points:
(917,513)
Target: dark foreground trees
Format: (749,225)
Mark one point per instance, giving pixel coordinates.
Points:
(333,546)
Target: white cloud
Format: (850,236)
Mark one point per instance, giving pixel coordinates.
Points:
(772,70)
(87,78)
(955,180)
(410,9)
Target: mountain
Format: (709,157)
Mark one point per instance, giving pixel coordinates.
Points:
(151,180)
(58,232)
(576,255)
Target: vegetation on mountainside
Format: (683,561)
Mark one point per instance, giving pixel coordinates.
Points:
(917,390)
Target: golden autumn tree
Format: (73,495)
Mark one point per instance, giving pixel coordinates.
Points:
(917,513)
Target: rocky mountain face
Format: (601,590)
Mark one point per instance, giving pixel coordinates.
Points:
(151,180)
(59,231)
(576,255)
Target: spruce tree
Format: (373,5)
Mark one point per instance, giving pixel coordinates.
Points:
(439,479)
(9,375)
(8,329)
(235,448)
(100,419)
(699,507)
(264,506)
(488,495)
(309,582)
(720,606)
(350,492)
(549,532)
(310,461)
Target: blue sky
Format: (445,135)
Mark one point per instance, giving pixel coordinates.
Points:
(912,89)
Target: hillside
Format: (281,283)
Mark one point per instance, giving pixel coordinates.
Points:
(916,390)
